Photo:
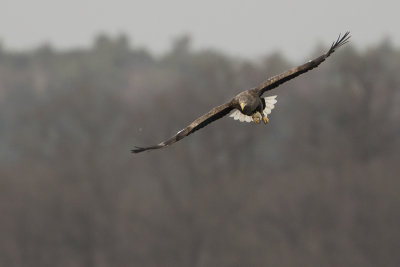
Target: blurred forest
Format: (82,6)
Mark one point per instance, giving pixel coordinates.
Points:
(318,186)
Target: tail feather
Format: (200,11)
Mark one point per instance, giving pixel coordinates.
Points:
(270,102)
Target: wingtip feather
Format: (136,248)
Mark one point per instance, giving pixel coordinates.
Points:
(137,149)
(341,40)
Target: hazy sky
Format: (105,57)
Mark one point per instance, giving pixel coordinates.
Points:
(244,28)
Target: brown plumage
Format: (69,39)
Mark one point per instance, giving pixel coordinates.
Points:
(250,102)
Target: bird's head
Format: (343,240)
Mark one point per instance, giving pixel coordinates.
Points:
(242,105)
(244,100)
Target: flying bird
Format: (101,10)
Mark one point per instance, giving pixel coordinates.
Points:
(249,105)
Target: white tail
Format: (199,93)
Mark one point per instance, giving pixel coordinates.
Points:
(270,102)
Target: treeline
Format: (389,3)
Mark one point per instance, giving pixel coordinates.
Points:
(318,186)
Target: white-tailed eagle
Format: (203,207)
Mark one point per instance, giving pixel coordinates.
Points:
(249,105)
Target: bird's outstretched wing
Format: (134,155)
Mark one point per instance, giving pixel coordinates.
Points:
(277,80)
(214,114)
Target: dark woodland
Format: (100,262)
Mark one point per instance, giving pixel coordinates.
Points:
(318,186)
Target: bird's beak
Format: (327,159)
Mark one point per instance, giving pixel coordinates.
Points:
(242,105)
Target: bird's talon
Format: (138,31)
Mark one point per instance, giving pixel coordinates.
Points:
(256,120)
(265,119)
(256,117)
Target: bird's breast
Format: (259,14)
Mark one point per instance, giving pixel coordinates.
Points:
(253,104)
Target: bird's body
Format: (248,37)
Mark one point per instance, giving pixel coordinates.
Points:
(249,105)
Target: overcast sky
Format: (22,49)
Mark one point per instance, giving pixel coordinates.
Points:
(248,28)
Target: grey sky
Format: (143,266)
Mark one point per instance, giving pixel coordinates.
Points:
(244,28)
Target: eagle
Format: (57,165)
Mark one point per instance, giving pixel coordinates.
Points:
(249,105)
